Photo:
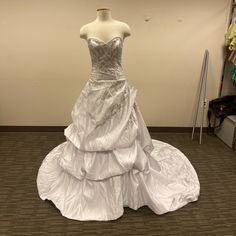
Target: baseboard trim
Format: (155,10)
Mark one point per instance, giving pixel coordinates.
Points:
(156,129)
(153,129)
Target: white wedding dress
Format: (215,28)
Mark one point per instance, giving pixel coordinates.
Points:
(109,160)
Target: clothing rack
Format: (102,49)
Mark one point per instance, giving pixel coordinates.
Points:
(233,6)
(225,64)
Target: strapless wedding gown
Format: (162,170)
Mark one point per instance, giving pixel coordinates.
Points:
(109,160)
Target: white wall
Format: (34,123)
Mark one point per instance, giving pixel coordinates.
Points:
(44,64)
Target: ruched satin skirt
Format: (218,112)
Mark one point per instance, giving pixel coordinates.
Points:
(109,160)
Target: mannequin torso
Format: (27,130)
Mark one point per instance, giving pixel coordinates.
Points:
(104,28)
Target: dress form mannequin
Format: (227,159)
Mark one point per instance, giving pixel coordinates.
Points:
(104,27)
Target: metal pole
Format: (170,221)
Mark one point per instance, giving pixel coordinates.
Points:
(200,90)
(204,96)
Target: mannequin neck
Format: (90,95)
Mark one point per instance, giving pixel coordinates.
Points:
(104,15)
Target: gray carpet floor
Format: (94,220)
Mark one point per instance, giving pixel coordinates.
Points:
(22,212)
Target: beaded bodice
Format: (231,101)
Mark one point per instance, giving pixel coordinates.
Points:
(106,58)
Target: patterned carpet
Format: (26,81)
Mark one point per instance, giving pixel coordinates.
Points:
(22,212)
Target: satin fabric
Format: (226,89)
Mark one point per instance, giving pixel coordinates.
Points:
(109,160)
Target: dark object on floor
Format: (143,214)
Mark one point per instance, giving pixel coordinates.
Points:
(221,108)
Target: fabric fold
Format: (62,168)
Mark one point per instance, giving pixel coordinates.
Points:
(166,188)
(104,164)
(108,120)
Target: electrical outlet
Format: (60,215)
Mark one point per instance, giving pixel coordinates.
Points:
(205,104)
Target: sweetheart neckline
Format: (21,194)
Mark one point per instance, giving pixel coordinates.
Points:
(105,43)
